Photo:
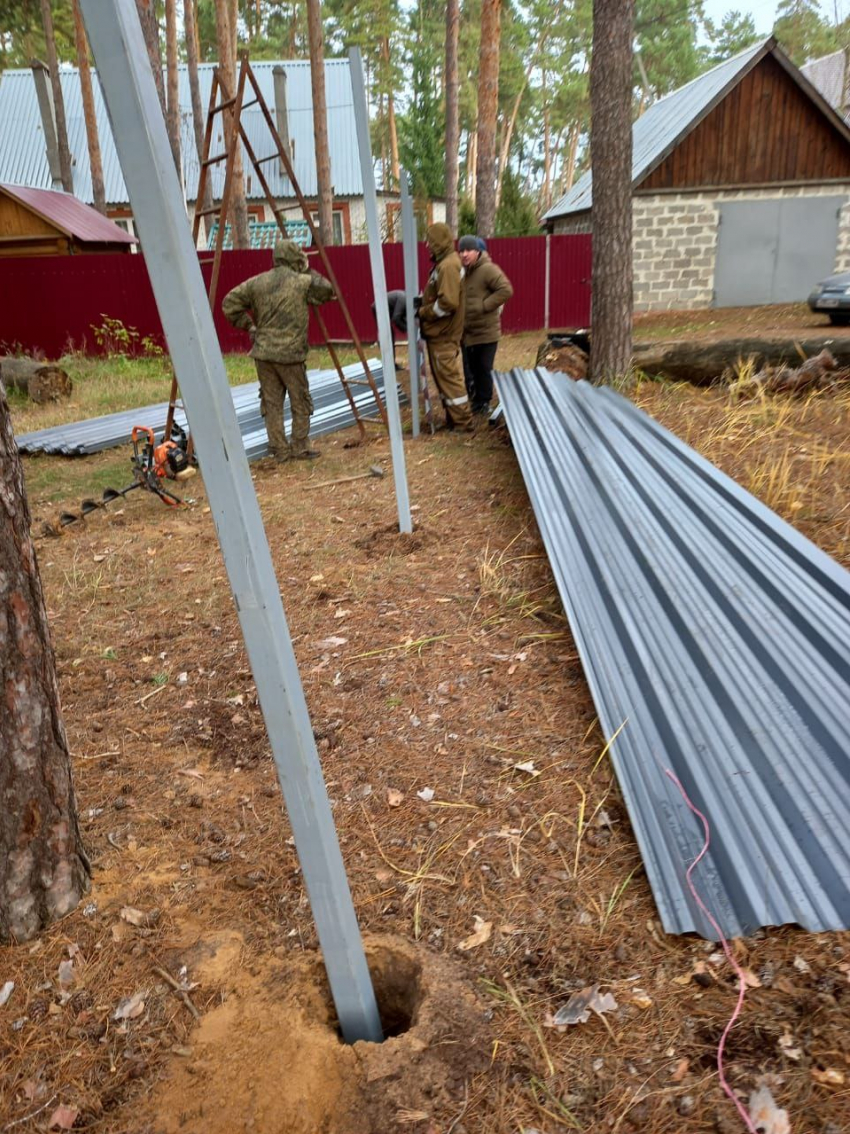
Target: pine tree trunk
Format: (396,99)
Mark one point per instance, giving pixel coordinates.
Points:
(150,30)
(198,116)
(488,103)
(44,870)
(471,166)
(320,121)
(92,136)
(547,150)
(611,161)
(575,133)
(172,116)
(66,171)
(395,167)
(452,111)
(227,63)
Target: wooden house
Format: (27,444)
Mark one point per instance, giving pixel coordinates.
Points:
(43,222)
(741,184)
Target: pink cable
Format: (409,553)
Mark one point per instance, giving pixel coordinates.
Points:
(742,984)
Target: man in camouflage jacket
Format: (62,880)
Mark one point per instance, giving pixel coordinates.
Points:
(441,323)
(274,309)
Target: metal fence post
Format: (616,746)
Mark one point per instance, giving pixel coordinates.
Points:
(411,288)
(547,283)
(379,286)
(148,167)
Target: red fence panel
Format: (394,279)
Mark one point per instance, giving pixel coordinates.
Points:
(53,303)
(569,282)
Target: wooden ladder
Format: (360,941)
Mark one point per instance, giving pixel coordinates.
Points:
(235,104)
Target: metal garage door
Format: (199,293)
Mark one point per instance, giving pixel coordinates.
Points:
(773,251)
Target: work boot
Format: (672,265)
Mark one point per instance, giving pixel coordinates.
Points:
(306,455)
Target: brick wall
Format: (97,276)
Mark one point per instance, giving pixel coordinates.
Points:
(675,241)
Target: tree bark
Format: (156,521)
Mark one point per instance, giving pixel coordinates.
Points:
(395,167)
(66,171)
(172,116)
(705,363)
(320,121)
(452,111)
(227,63)
(92,136)
(488,104)
(198,117)
(611,161)
(44,870)
(40,381)
(150,30)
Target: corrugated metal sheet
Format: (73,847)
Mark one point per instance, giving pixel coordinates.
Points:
(664,124)
(23,158)
(828,75)
(70,215)
(718,638)
(332,412)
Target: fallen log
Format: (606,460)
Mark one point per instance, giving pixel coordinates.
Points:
(705,363)
(41,381)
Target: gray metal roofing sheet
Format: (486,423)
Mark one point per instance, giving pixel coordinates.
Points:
(332,412)
(718,637)
(661,126)
(70,215)
(828,75)
(23,158)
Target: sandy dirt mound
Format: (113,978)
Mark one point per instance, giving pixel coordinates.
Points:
(269,1059)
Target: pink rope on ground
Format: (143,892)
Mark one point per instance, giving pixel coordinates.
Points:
(742,984)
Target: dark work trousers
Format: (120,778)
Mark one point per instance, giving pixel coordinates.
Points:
(478,371)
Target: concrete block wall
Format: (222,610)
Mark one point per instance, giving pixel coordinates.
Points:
(675,241)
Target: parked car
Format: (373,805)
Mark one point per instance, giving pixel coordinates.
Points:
(832,297)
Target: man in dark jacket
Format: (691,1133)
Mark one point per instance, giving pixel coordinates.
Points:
(441,323)
(487,290)
(274,309)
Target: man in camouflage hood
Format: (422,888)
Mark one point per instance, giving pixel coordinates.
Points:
(274,309)
(441,323)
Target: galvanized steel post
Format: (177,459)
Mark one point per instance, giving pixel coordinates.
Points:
(379,286)
(139,130)
(411,288)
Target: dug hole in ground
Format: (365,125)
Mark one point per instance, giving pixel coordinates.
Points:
(492,864)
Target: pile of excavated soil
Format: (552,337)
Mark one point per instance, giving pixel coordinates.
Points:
(269,1059)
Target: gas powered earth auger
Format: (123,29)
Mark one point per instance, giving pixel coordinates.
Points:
(152,464)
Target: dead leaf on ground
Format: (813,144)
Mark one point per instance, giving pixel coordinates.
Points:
(527,766)
(395,798)
(750,978)
(680,1070)
(133,916)
(483,929)
(766,1116)
(828,1076)
(63,1118)
(579,1006)
(130,1007)
(426,794)
(6,991)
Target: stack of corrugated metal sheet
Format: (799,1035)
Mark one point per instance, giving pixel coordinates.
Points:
(332,412)
(716,643)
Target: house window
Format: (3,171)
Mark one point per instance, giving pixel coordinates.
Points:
(339,237)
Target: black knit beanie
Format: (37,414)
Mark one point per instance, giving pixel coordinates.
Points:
(468,244)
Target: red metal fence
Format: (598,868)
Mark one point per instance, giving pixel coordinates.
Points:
(54,303)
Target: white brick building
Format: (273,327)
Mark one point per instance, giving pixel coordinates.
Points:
(741,189)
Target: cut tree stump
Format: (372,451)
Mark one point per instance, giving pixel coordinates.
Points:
(41,381)
(704,363)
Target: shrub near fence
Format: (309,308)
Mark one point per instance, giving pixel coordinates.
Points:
(54,303)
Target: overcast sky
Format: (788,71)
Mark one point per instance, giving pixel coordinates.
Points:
(762,11)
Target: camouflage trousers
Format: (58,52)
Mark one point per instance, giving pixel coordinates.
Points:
(277,379)
(447,369)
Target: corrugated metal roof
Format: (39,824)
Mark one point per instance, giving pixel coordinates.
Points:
(332,412)
(666,122)
(718,638)
(23,158)
(69,215)
(828,75)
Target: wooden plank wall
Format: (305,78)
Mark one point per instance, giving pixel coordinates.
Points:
(765,131)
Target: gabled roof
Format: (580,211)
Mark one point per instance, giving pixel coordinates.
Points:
(69,215)
(23,157)
(663,126)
